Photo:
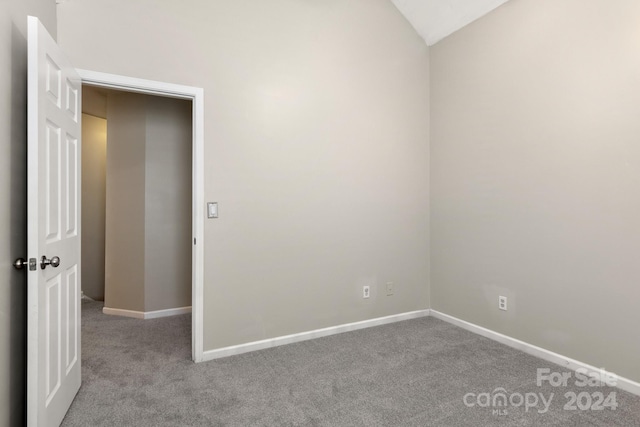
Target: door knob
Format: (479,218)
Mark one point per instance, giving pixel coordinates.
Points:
(20,263)
(53,262)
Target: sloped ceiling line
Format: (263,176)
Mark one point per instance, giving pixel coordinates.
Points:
(436,19)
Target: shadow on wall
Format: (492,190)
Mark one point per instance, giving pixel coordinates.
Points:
(18,238)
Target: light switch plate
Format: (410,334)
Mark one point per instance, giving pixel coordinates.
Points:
(212,210)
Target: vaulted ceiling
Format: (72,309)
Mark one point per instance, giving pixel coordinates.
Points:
(436,19)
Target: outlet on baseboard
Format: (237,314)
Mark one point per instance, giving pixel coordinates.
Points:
(365,291)
(502,303)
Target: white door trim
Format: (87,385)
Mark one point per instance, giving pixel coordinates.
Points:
(196,95)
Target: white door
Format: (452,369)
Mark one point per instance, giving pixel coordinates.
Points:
(53,218)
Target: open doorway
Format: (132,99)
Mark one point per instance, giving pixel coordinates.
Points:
(196,96)
(136,202)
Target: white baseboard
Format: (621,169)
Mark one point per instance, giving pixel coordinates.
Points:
(304,336)
(146,314)
(123,313)
(566,362)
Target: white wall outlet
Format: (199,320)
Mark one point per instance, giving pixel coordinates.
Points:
(502,303)
(389,288)
(365,291)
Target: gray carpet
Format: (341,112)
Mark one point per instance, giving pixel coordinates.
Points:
(412,373)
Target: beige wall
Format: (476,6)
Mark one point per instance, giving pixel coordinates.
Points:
(125,233)
(94,101)
(535,176)
(168,204)
(13,185)
(316,148)
(94,174)
(148,228)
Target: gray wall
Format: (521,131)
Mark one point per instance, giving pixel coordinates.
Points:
(535,176)
(13,185)
(148,226)
(168,204)
(316,148)
(125,232)
(94,174)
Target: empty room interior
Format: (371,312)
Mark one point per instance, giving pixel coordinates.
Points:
(407,212)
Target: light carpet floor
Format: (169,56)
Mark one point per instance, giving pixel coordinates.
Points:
(411,373)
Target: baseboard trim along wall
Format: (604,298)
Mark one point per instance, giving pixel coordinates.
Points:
(146,314)
(304,336)
(566,362)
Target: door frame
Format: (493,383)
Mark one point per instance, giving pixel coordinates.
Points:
(196,95)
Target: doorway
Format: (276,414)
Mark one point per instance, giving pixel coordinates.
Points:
(129,87)
(136,202)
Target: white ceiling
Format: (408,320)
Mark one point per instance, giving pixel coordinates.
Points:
(436,19)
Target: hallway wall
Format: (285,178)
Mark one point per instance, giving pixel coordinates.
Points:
(148,221)
(94,186)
